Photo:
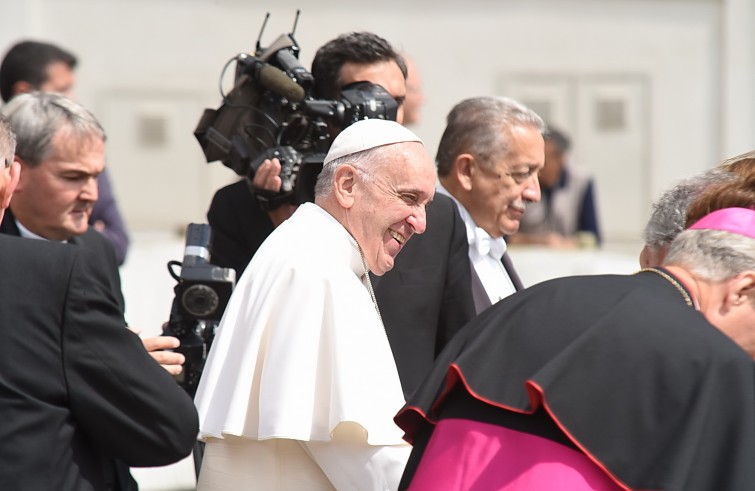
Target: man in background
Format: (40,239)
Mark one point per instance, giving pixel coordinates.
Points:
(488,160)
(427,296)
(300,385)
(32,65)
(415,94)
(566,217)
(77,388)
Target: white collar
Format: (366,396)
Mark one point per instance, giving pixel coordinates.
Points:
(480,242)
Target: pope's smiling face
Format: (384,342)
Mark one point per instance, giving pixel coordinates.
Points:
(390,202)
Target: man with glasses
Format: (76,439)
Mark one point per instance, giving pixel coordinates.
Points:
(488,160)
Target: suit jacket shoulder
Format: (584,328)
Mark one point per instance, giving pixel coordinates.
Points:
(427,296)
(76,383)
(94,241)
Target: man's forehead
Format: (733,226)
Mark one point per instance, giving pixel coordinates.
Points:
(60,77)
(415,170)
(70,140)
(526,147)
(386,73)
(71,149)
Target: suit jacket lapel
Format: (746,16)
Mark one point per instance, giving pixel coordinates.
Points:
(77,240)
(8,226)
(509,266)
(479,295)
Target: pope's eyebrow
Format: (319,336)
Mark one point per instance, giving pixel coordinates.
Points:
(416,192)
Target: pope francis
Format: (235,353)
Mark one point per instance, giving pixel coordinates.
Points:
(300,387)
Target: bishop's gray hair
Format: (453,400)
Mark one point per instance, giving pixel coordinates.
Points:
(669,214)
(713,255)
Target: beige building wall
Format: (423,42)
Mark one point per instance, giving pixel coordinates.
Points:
(674,78)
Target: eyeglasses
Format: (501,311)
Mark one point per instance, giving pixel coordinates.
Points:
(8,163)
(519,176)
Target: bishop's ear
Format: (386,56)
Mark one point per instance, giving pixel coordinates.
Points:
(743,289)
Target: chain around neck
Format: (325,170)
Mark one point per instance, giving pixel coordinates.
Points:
(369,283)
(673,281)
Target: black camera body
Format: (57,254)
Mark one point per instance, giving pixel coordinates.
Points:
(201,295)
(272,112)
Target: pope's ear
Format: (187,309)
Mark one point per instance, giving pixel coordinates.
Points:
(344,181)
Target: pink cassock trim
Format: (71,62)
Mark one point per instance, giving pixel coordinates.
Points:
(473,456)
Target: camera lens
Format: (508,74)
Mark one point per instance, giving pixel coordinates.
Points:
(200,300)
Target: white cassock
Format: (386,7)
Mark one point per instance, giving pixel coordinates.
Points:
(300,387)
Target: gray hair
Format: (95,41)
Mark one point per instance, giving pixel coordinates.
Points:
(36,118)
(7,142)
(477,126)
(712,255)
(366,161)
(669,214)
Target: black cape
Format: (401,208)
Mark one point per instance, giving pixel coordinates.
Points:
(634,377)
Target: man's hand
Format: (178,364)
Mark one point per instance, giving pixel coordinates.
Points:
(169,360)
(267,177)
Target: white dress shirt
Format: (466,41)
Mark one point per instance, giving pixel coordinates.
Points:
(28,234)
(485,253)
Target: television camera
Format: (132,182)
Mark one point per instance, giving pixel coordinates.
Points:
(201,295)
(273,112)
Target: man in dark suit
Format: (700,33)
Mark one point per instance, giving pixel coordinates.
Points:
(61,151)
(78,388)
(427,296)
(488,160)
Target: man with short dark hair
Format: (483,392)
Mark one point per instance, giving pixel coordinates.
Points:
(33,65)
